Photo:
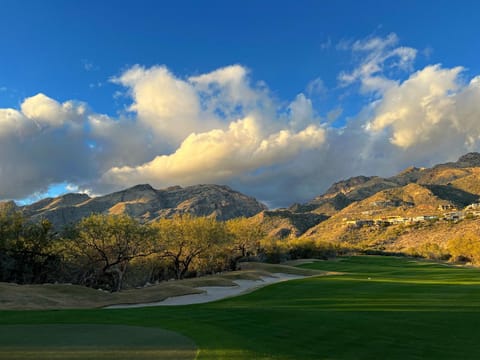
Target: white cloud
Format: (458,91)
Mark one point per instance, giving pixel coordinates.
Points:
(40,145)
(302,113)
(219,155)
(45,111)
(169,106)
(424,108)
(222,127)
(377,54)
(316,87)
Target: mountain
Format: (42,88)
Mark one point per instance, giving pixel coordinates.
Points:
(458,182)
(414,192)
(147,204)
(285,223)
(404,213)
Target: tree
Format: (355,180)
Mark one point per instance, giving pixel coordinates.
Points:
(109,243)
(36,258)
(11,226)
(185,239)
(26,252)
(246,236)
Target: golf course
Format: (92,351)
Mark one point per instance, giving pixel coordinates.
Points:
(377,308)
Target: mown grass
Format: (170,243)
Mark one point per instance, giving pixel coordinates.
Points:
(81,341)
(381,308)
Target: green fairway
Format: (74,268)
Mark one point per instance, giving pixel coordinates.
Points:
(381,308)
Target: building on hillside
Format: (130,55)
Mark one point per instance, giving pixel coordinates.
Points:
(454,216)
(422,218)
(360,223)
(474,206)
(445,207)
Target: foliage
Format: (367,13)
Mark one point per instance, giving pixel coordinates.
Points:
(309,248)
(245,239)
(27,250)
(185,239)
(113,252)
(465,248)
(429,250)
(105,245)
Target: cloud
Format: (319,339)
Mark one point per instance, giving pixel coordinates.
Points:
(89,65)
(40,145)
(377,55)
(219,155)
(223,127)
(417,107)
(45,111)
(327,44)
(316,87)
(168,106)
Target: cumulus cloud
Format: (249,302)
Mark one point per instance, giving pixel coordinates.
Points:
(222,127)
(45,111)
(417,107)
(205,128)
(167,105)
(227,88)
(40,145)
(227,127)
(219,155)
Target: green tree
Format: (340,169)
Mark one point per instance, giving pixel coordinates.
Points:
(35,256)
(185,239)
(26,252)
(246,236)
(106,245)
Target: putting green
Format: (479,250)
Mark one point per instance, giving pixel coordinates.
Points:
(66,341)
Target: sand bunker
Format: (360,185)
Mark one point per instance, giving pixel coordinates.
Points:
(212,293)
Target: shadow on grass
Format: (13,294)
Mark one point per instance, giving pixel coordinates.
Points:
(88,341)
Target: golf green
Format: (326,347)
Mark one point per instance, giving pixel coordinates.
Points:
(83,341)
(380,308)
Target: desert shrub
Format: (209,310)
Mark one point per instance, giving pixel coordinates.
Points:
(273,250)
(430,250)
(311,248)
(465,248)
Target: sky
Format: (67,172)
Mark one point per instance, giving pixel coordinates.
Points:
(277,99)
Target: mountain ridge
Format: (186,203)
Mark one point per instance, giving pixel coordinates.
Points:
(412,192)
(147,204)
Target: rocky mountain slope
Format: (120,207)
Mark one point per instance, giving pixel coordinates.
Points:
(352,209)
(286,223)
(458,182)
(147,204)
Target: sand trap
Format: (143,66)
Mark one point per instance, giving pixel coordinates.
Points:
(212,293)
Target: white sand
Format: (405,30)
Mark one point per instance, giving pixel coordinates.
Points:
(212,293)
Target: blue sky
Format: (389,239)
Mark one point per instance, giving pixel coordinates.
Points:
(82,55)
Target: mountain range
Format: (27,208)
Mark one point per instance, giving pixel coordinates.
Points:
(146,204)
(411,193)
